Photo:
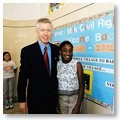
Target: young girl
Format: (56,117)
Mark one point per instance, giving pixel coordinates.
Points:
(69,74)
(9,69)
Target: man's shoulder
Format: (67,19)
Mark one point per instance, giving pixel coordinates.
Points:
(28,47)
(55,51)
(54,46)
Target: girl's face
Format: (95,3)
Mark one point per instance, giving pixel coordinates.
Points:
(6,57)
(66,53)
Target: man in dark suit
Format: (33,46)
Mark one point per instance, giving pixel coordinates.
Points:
(37,77)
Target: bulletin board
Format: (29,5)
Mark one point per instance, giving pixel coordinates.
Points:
(93,40)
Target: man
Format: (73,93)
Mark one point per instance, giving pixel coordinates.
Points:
(38,76)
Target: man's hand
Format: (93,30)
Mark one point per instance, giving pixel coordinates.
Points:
(23,107)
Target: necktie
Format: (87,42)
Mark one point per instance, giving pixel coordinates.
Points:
(46,58)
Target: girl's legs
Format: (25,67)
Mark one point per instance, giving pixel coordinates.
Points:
(6,93)
(11,92)
(67,103)
(73,101)
(64,102)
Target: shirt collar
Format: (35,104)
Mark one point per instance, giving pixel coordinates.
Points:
(42,45)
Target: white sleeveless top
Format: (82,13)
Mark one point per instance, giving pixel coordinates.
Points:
(67,76)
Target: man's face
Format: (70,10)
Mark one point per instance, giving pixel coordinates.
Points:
(44,32)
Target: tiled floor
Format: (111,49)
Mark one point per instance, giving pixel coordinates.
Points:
(15,110)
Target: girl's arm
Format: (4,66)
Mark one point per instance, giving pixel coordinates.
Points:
(15,70)
(76,109)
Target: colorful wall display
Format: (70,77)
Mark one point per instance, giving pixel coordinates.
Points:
(93,40)
(54,6)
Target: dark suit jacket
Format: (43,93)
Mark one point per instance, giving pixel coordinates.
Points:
(33,76)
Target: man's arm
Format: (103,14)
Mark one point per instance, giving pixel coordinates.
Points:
(22,81)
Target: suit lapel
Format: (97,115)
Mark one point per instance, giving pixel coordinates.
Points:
(39,57)
(52,58)
(39,53)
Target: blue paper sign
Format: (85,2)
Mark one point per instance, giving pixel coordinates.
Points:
(93,40)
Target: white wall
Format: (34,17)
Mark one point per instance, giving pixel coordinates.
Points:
(92,108)
(24,11)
